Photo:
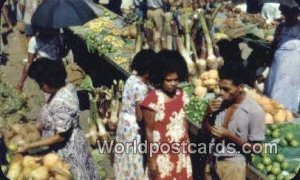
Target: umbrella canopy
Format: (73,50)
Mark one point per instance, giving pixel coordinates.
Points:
(62,13)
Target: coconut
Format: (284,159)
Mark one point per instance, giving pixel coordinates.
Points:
(197,82)
(200,91)
(213,74)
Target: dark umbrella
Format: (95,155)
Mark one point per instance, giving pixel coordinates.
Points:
(62,13)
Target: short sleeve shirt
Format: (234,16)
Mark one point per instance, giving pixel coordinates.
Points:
(247,122)
(134,90)
(50,49)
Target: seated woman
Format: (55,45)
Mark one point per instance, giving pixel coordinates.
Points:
(60,120)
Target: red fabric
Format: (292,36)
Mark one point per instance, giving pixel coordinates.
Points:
(175,105)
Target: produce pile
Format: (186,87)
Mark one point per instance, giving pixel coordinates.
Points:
(16,135)
(13,105)
(275,112)
(235,23)
(47,167)
(201,92)
(284,164)
(103,36)
(104,108)
(203,88)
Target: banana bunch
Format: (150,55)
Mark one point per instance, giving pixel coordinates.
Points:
(116,32)
(120,60)
(97,25)
(114,41)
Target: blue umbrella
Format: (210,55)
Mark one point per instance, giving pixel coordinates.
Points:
(62,13)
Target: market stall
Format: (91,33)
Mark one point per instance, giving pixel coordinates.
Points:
(232,26)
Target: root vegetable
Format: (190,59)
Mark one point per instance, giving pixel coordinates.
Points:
(220,59)
(197,82)
(211,58)
(133,31)
(63,170)
(27,171)
(15,167)
(15,170)
(40,173)
(200,91)
(185,54)
(50,160)
(30,161)
(204,76)
(125,32)
(213,74)
(61,177)
(210,82)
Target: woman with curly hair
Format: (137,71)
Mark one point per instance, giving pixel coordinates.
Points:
(163,111)
(130,165)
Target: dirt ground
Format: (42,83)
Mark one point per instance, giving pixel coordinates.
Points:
(16,51)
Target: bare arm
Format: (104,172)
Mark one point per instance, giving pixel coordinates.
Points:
(149,121)
(139,113)
(25,71)
(49,141)
(149,126)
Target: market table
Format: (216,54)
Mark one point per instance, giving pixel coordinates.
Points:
(79,34)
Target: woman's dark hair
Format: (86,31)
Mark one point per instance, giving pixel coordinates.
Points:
(142,61)
(45,71)
(234,72)
(169,61)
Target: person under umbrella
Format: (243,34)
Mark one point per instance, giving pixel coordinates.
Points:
(62,13)
(46,43)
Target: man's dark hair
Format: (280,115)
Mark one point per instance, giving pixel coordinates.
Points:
(142,61)
(169,61)
(45,71)
(234,72)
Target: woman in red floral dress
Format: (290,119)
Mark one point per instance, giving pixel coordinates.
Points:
(163,111)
